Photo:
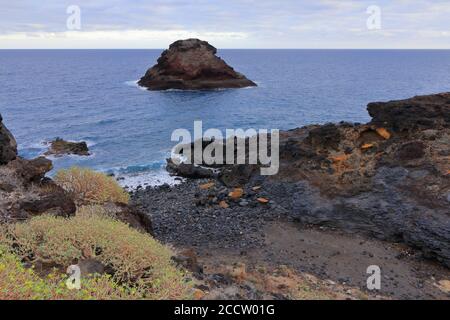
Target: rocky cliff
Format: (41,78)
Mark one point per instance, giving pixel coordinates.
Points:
(25,191)
(389,178)
(8,145)
(191,65)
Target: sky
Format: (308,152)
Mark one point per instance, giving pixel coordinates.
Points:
(340,24)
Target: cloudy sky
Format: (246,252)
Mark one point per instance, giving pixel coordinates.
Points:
(226,23)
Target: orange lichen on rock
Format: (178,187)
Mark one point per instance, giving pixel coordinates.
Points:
(339,162)
(263,200)
(384,133)
(366,146)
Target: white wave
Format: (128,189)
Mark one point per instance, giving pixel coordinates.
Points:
(147,179)
(33,145)
(134,83)
(54,158)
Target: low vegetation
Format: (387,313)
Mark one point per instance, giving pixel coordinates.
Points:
(90,187)
(20,283)
(134,260)
(90,211)
(35,254)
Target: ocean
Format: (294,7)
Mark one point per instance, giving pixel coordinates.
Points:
(92,95)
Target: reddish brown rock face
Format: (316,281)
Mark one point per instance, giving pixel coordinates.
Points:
(191,65)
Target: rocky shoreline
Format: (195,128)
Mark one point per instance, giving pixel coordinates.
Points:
(386,182)
(346,196)
(388,179)
(26,192)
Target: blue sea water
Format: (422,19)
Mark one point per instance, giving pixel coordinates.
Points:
(91,95)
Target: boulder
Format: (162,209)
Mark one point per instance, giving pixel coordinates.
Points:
(8,145)
(54,200)
(192,65)
(30,170)
(187,170)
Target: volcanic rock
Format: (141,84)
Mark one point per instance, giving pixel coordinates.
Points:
(130,215)
(191,65)
(422,112)
(389,178)
(395,190)
(60,147)
(29,193)
(8,145)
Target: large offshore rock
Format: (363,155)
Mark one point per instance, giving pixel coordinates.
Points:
(191,65)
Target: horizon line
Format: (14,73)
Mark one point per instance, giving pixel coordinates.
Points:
(398,49)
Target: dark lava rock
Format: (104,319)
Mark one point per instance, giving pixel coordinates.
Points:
(411,150)
(385,179)
(191,65)
(90,267)
(326,136)
(31,170)
(237,175)
(419,112)
(60,147)
(187,170)
(130,215)
(8,145)
(24,189)
(56,202)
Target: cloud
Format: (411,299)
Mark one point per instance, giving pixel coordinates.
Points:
(111,38)
(226,23)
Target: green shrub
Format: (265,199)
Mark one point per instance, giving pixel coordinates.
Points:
(137,261)
(90,187)
(20,283)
